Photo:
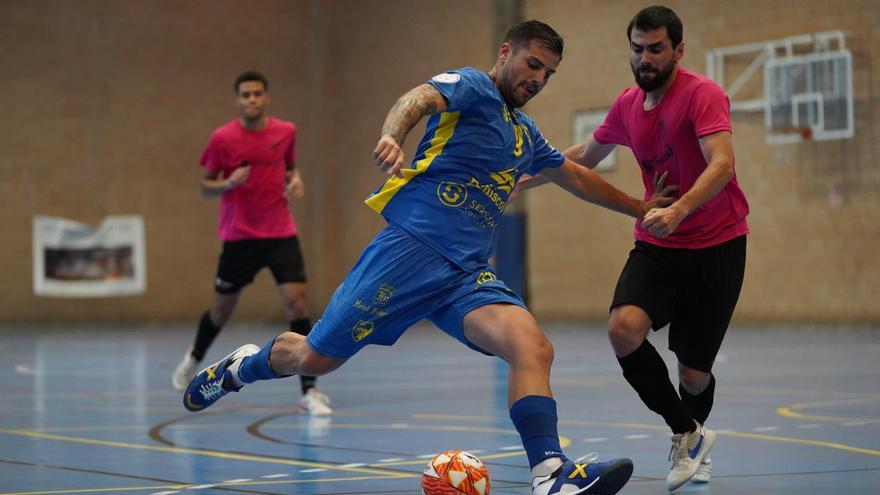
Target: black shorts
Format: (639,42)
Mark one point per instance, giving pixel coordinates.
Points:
(694,291)
(241,260)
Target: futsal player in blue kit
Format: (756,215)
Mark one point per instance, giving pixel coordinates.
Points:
(431,261)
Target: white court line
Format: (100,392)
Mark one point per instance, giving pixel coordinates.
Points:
(809,425)
(165,493)
(766,428)
(201,487)
(393,459)
(354,464)
(855,423)
(316,470)
(595,440)
(511,447)
(640,436)
(425,456)
(239,480)
(275,475)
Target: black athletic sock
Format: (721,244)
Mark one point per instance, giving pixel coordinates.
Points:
(303,327)
(645,370)
(700,405)
(205,336)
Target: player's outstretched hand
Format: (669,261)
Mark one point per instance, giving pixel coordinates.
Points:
(663,194)
(388,156)
(661,217)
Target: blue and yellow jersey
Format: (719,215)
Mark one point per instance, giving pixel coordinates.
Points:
(467,164)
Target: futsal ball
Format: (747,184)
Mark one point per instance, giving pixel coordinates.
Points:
(455,472)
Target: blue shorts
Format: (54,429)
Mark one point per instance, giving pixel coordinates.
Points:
(397,282)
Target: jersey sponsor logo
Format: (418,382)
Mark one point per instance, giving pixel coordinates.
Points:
(651,164)
(505,179)
(383,295)
(486,277)
(452,194)
(446,78)
(362,330)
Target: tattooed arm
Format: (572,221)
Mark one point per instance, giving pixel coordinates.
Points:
(403,116)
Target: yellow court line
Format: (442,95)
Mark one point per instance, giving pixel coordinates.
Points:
(802,441)
(206,453)
(756,436)
(190,485)
(791,411)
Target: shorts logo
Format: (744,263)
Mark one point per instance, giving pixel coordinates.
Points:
(446,77)
(452,194)
(383,295)
(362,330)
(486,277)
(222,284)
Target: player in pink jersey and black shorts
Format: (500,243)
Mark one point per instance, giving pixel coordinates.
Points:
(250,163)
(687,266)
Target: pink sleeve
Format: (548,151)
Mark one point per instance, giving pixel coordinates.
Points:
(612,130)
(710,110)
(212,157)
(290,154)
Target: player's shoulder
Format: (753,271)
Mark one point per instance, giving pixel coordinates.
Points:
(696,82)
(629,96)
(281,124)
(464,75)
(226,130)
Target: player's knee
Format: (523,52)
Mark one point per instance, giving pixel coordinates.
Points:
(694,381)
(537,350)
(624,334)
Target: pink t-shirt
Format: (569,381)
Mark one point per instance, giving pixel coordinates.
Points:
(256,209)
(665,138)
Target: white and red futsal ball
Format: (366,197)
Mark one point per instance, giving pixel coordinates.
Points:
(455,472)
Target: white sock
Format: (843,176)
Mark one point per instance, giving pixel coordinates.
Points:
(547,466)
(233,369)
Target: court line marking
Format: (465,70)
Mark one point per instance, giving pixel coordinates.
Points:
(791,411)
(192,485)
(755,436)
(200,452)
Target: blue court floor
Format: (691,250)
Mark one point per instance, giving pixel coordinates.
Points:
(90,410)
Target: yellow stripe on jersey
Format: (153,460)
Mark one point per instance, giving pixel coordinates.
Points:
(442,134)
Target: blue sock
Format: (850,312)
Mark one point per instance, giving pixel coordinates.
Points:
(534,417)
(256,367)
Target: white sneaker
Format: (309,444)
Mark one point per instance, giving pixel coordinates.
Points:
(184,372)
(688,451)
(315,403)
(704,471)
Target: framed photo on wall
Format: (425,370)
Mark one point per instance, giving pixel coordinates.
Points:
(584,122)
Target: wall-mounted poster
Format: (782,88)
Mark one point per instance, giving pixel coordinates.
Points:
(76,260)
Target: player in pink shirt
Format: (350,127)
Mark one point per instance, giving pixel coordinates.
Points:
(249,162)
(687,266)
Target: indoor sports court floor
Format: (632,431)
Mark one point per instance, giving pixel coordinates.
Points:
(91,410)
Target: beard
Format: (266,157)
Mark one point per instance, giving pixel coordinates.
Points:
(659,77)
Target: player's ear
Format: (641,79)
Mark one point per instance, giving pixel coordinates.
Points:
(679,51)
(504,52)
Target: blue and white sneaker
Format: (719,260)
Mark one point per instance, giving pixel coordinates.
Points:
(585,476)
(215,381)
(688,451)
